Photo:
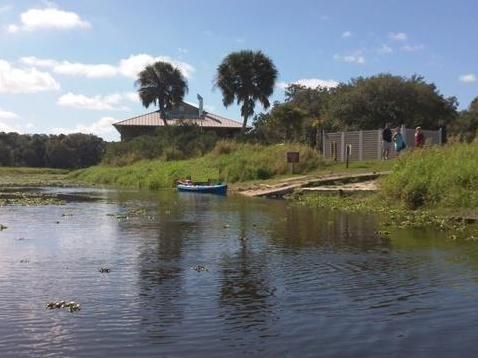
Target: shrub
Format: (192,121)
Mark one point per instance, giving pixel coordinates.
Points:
(167,143)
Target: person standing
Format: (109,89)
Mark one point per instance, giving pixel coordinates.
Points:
(419,138)
(398,140)
(386,141)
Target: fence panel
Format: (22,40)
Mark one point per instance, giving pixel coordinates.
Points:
(367,145)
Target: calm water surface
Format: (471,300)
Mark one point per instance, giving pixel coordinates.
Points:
(281,281)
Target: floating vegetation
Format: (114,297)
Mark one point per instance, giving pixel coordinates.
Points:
(28,198)
(24,261)
(71,306)
(104,270)
(394,215)
(3,227)
(226,226)
(200,268)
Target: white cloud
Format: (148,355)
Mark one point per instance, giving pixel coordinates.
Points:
(24,80)
(398,36)
(132,96)
(353,58)
(412,48)
(71,68)
(384,49)
(4,114)
(12,28)
(5,125)
(48,18)
(102,128)
(240,40)
(183,50)
(131,66)
(310,83)
(128,67)
(113,101)
(468,78)
(346,34)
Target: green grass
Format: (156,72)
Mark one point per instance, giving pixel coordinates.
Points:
(19,176)
(229,161)
(441,177)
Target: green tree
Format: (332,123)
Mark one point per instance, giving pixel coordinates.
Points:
(163,85)
(246,77)
(369,103)
(464,128)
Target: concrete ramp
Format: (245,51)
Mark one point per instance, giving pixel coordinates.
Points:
(287,187)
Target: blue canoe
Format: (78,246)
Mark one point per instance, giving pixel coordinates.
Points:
(220,189)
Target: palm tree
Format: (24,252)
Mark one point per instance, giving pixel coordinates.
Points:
(246,77)
(163,85)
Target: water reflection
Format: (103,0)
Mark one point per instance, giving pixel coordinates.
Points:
(281,280)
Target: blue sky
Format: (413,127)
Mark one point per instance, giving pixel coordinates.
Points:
(70,66)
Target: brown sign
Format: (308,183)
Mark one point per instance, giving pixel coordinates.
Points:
(292,157)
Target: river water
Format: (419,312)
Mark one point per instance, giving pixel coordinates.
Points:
(280,281)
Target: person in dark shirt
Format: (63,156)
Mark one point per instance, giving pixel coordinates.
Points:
(386,141)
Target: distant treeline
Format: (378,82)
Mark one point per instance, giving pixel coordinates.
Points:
(55,151)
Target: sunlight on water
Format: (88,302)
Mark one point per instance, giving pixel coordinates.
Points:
(272,280)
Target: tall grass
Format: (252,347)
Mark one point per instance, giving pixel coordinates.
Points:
(438,177)
(229,161)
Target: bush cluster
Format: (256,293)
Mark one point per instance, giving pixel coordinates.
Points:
(167,143)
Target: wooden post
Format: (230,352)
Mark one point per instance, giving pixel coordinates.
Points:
(348,150)
(379,145)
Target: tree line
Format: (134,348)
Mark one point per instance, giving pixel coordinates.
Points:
(55,151)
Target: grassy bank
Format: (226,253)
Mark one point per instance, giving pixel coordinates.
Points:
(441,177)
(18,176)
(229,161)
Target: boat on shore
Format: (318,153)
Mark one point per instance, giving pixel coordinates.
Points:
(208,188)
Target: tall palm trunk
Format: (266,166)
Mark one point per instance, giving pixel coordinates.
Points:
(162,113)
(244,125)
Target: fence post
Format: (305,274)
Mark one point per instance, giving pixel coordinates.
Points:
(323,143)
(440,136)
(342,146)
(379,144)
(360,148)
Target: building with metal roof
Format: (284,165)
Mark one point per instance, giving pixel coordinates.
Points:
(183,114)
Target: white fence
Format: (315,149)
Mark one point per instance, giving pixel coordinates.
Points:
(367,145)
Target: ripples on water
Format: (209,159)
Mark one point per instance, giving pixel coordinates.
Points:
(281,281)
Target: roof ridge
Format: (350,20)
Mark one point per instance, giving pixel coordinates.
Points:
(141,115)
